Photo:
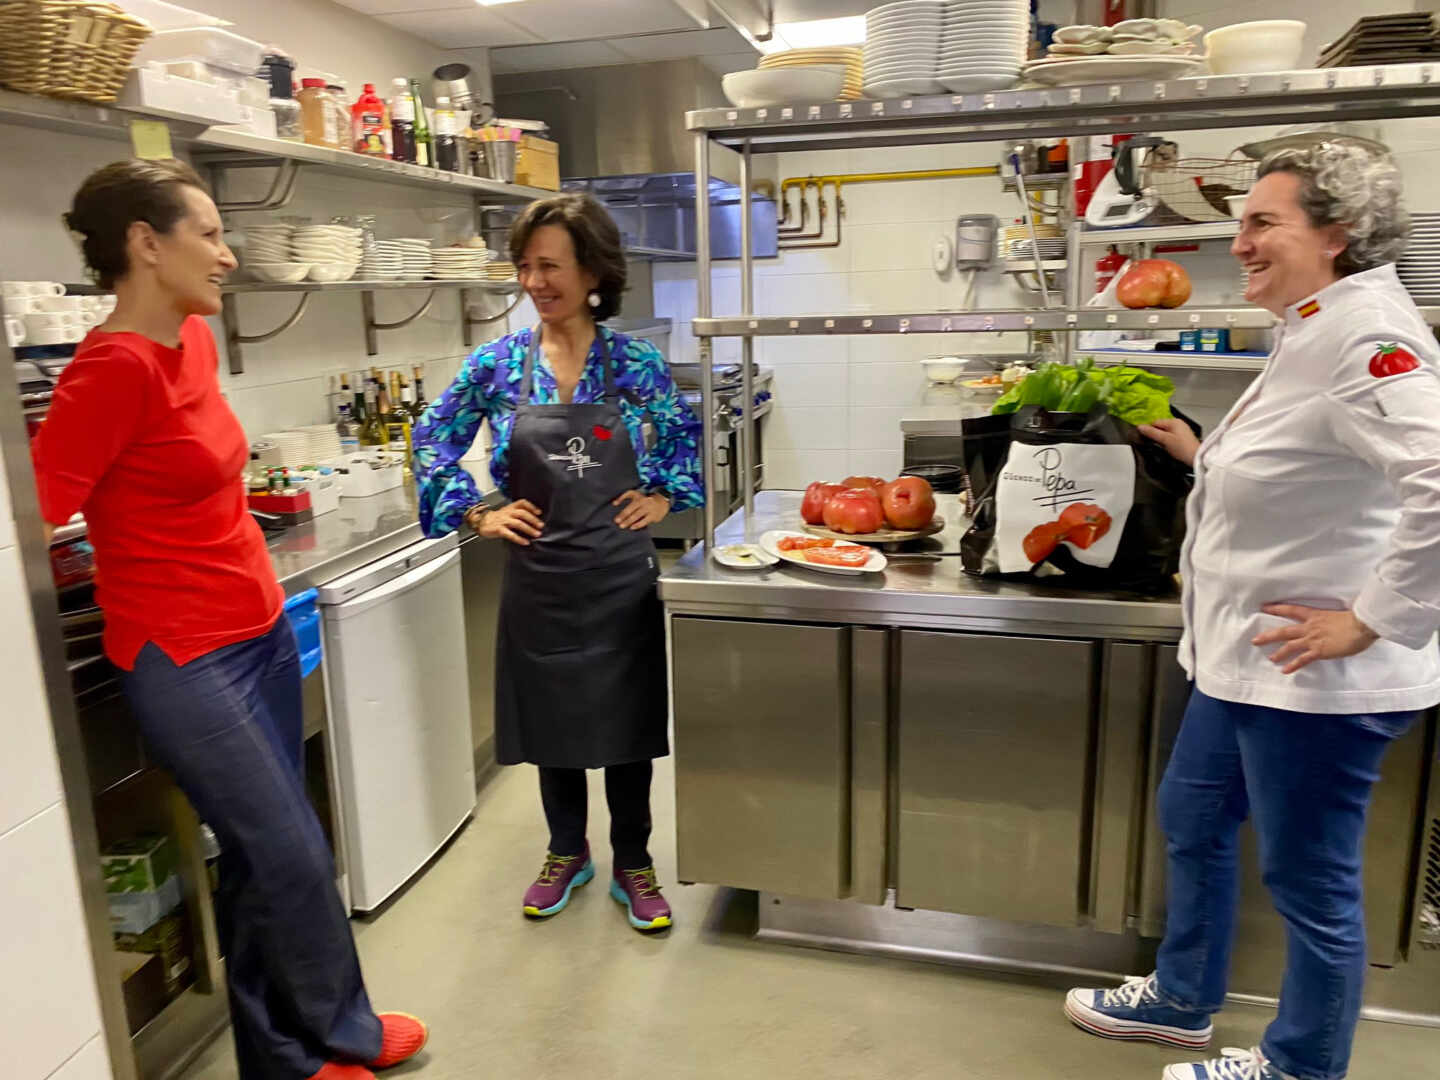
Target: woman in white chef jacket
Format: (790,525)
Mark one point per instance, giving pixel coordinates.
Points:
(1312,598)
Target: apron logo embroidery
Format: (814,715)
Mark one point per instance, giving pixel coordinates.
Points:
(577,457)
(601,433)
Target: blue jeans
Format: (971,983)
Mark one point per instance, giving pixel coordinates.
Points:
(1307,779)
(229,726)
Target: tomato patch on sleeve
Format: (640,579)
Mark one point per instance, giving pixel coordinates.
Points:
(1391,359)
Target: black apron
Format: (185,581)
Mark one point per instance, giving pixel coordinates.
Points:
(580,660)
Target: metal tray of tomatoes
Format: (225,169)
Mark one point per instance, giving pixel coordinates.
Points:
(883,536)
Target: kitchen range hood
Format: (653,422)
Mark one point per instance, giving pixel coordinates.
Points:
(622,137)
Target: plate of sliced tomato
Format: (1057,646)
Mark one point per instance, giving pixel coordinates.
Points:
(822,553)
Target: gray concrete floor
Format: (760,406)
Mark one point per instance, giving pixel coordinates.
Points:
(584,995)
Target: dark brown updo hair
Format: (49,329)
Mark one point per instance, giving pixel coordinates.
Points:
(115,197)
(593,232)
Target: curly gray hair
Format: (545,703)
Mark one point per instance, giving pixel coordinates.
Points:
(1346,183)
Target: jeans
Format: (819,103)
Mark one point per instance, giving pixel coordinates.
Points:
(627,791)
(1307,780)
(228,725)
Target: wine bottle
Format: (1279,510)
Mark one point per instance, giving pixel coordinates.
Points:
(372,431)
(424,144)
(397,424)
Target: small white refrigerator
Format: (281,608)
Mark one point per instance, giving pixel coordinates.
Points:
(399,699)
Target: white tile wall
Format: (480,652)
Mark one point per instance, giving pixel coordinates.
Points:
(90,1063)
(31,773)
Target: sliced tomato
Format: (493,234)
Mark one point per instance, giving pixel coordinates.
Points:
(846,555)
(803,543)
(1084,524)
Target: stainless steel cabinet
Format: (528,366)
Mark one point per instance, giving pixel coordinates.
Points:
(762,740)
(994,775)
(1391,844)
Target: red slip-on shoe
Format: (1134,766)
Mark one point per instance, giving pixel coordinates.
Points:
(333,1070)
(404,1037)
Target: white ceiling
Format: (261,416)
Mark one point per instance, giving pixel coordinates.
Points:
(542,35)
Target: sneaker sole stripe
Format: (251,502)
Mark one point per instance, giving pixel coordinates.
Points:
(664,922)
(1166,1036)
(584,877)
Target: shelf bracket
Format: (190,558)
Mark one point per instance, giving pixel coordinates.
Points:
(234,339)
(468,321)
(282,190)
(372,328)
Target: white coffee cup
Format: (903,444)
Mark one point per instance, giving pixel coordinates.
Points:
(49,337)
(68,304)
(32,288)
(14,331)
(52,320)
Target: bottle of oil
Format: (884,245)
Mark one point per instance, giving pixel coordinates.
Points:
(396,422)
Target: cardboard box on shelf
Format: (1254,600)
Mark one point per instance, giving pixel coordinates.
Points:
(167,940)
(537,163)
(143,982)
(140,864)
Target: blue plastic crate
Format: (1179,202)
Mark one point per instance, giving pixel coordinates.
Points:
(303,611)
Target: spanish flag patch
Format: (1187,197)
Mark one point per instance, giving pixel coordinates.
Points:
(1310,307)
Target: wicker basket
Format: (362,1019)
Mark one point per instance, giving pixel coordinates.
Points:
(78,49)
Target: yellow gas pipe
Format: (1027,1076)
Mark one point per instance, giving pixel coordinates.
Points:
(841,179)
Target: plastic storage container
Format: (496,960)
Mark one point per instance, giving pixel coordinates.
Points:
(319,118)
(206,43)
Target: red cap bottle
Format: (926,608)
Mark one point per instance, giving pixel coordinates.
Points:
(370,124)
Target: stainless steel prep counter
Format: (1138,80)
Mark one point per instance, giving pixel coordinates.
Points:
(360,532)
(928,764)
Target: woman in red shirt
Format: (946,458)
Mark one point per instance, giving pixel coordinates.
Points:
(139,438)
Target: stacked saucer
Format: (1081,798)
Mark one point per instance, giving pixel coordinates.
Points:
(461,263)
(383,261)
(902,48)
(985,42)
(418,261)
(499,270)
(849,58)
(1419,268)
(322,442)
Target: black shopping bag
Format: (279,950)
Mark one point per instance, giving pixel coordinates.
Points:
(1084,494)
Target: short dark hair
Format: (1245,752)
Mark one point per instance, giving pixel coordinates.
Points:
(595,236)
(115,197)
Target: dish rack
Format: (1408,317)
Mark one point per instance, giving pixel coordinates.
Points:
(68,48)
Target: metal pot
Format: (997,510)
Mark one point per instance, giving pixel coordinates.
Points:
(453,81)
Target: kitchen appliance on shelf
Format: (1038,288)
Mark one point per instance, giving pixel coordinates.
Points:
(399,700)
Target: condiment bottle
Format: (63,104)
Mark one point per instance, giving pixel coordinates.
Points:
(402,122)
(447,149)
(370,124)
(424,144)
(317,116)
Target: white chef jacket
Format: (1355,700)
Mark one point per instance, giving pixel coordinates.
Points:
(1321,487)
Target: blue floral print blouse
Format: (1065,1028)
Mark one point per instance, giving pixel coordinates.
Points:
(488,387)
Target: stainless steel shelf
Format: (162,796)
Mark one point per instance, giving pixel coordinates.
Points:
(372,286)
(649,254)
(1167,359)
(1038,181)
(1013,319)
(1160,234)
(213,146)
(1363,93)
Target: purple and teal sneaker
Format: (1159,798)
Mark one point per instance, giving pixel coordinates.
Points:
(640,893)
(1232,1064)
(560,875)
(1137,1011)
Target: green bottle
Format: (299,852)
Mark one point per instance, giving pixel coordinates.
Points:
(424,144)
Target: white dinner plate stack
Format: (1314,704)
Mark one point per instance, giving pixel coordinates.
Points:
(499,270)
(461,263)
(322,443)
(984,44)
(383,261)
(269,244)
(902,48)
(1419,267)
(290,449)
(336,249)
(418,259)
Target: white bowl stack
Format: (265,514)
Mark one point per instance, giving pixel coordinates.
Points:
(984,44)
(418,259)
(289,449)
(902,48)
(384,260)
(1419,267)
(461,263)
(322,443)
(269,255)
(333,251)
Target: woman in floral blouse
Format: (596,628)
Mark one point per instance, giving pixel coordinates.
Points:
(592,445)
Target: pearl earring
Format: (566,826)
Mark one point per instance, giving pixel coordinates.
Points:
(594,299)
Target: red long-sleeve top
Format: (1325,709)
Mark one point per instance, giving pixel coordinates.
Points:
(139,438)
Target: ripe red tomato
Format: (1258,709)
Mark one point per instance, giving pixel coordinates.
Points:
(1040,542)
(1084,523)
(872,482)
(854,511)
(812,507)
(1154,283)
(909,503)
(1391,359)
(846,555)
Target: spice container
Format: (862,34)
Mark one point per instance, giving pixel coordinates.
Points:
(318,118)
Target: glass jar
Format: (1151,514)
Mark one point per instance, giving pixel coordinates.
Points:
(287,119)
(318,116)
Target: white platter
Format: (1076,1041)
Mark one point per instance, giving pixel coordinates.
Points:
(1110,69)
(770,542)
(977,84)
(899,88)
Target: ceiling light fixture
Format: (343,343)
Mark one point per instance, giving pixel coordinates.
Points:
(815,33)
(495,3)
